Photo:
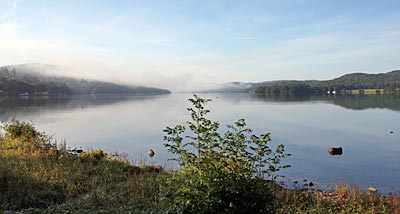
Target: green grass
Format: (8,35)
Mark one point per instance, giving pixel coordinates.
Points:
(34,174)
(36,177)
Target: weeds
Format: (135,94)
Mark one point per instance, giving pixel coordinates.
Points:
(344,199)
(35,174)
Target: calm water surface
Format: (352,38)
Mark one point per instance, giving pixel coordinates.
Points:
(308,126)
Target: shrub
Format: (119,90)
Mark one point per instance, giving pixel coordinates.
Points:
(220,173)
(24,136)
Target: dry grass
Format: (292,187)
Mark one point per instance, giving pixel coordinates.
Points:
(344,199)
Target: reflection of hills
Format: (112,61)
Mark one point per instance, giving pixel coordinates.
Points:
(360,102)
(14,106)
(355,102)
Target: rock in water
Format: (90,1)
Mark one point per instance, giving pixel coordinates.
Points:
(151,153)
(335,151)
(372,189)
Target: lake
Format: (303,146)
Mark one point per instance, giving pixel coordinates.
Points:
(308,126)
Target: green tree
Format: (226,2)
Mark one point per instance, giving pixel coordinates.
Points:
(220,173)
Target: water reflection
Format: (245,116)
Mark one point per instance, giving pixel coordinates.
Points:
(308,126)
(14,107)
(9,106)
(355,102)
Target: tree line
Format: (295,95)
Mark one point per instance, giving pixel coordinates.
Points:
(24,82)
(389,82)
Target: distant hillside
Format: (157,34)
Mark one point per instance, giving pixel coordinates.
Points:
(390,82)
(364,81)
(35,79)
(241,87)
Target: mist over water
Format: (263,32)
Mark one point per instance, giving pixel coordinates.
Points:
(308,126)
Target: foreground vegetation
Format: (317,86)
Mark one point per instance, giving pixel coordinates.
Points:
(233,172)
(34,173)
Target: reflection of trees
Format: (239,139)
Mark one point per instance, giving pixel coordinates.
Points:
(368,101)
(355,102)
(287,98)
(14,106)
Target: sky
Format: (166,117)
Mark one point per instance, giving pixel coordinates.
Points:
(188,44)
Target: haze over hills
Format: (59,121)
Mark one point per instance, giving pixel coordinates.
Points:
(42,79)
(242,87)
(353,81)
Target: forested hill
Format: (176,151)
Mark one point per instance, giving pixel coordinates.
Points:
(34,79)
(356,81)
(365,81)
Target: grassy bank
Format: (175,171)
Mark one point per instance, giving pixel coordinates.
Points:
(37,176)
(34,173)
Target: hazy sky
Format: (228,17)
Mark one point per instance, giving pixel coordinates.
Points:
(179,43)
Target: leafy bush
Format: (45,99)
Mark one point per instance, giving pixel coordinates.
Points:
(220,174)
(24,136)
